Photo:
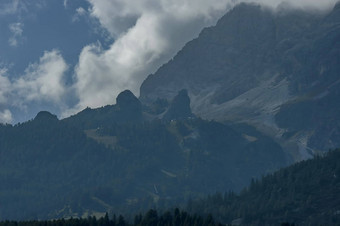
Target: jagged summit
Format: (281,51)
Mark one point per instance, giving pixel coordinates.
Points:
(45,116)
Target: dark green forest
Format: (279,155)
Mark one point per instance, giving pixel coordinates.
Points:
(65,171)
(303,194)
(150,218)
(306,193)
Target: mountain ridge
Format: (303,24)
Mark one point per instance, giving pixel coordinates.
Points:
(125,157)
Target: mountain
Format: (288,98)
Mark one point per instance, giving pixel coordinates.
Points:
(125,158)
(278,71)
(245,98)
(302,194)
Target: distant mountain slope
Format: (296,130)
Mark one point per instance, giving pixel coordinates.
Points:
(264,68)
(124,158)
(306,193)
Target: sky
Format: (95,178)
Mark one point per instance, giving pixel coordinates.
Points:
(65,55)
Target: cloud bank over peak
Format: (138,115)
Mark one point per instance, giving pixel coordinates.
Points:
(147,34)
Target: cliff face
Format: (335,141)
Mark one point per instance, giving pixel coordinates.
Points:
(255,62)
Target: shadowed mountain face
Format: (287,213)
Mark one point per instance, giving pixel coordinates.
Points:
(264,68)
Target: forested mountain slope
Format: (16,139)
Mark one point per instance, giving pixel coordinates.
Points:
(124,158)
(306,193)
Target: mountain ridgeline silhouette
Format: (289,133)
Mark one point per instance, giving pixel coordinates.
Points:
(125,157)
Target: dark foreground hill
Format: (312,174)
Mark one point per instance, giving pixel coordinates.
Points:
(124,158)
(306,193)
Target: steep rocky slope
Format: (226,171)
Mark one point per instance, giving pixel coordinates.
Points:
(269,69)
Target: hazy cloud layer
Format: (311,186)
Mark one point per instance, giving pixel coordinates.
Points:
(9,6)
(16,30)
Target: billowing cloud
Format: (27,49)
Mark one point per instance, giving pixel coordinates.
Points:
(16,30)
(43,81)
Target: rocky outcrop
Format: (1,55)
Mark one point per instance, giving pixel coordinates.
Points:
(129,107)
(180,107)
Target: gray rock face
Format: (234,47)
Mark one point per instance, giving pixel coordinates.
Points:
(255,61)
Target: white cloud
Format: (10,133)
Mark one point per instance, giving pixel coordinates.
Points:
(42,84)
(16,30)
(79,13)
(6,116)
(42,81)
(65,3)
